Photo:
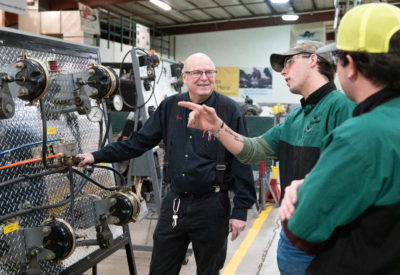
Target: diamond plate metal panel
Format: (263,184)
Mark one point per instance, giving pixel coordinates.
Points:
(29,193)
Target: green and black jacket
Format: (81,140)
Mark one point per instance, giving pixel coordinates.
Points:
(349,205)
(296,142)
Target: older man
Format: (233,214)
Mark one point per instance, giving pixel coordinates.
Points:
(197,208)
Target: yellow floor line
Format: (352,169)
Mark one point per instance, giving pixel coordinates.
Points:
(230,269)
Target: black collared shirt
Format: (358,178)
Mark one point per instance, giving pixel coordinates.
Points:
(318,94)
(375,100)
(193,153)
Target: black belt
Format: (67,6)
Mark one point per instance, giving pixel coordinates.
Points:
(198,195)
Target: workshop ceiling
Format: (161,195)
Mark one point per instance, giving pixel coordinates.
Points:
(193,16)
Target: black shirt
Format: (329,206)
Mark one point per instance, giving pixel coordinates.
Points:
(193,153)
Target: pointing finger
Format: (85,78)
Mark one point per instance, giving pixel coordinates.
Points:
(189,105)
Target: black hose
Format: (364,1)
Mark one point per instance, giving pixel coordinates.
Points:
(44,136)
(108,126)
(123,181)
(72,194)
(50,206)
(27,177)
(44,207)
(119,86)
(100,134)
(93,181)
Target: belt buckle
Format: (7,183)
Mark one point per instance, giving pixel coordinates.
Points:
(220,167)
(217,189)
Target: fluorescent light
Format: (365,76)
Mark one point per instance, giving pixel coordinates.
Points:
(279,1)
(290,17)
(160,4)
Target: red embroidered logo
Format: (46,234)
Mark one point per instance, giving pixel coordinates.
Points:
(178,117)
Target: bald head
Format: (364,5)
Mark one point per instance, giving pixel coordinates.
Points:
(197,58)
(198,75)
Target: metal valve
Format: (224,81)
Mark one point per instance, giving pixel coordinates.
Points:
(59,237)
(125,207)
(103,79)
(33,77)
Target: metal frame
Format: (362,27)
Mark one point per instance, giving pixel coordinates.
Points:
(22,40)
(147,157)
(12,38)
(94,258)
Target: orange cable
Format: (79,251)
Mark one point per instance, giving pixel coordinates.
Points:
(27,161)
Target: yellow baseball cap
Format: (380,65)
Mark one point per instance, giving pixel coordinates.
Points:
(366,28)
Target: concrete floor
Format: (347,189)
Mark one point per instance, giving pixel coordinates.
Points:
(254,252)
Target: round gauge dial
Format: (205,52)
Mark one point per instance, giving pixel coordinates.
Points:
(95,114)
(118,103)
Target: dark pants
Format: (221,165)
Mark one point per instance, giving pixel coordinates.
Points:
(204,221)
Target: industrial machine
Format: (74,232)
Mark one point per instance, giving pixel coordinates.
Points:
(55,102)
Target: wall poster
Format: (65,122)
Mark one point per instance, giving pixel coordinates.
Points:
(227,81)
(255,81)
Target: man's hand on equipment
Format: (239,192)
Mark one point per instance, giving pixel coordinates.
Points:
(236,226)
(87,159)
(287,208)
(202,117)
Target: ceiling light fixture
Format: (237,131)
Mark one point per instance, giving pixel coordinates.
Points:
(290,16)
(279,1)
(160,4)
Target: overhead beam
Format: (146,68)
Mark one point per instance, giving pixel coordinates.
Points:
(292,6)
(198,8)
(244,6)
(154,9)
(222,7)
(73,4)
(270,6)
(244,24)
(314,6)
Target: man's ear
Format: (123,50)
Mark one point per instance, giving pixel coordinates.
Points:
(184,76)
(352,72)
(313,60)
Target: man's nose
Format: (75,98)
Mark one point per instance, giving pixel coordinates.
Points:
(203,76)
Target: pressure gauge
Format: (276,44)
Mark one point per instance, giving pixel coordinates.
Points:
(95,114)
(118,103)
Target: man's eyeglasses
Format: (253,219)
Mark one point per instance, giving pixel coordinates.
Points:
(290,60)
(197,74)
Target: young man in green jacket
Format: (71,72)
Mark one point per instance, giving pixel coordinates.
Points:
(348,207)
(296,142)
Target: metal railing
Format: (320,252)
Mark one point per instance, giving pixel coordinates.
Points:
(161,42)
(123,30)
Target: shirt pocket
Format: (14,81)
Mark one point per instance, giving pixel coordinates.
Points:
(207,148)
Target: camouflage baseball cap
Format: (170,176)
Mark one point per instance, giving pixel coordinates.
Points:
(277,59)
